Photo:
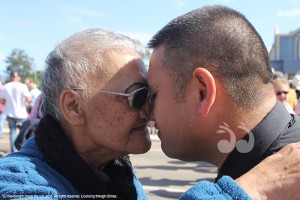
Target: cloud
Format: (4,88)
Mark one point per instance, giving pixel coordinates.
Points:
(80,11)
(289,13)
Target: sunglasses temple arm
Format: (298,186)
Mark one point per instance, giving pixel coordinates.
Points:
(106,92)
(115,93)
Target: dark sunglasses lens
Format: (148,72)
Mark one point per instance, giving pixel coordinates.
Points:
(139,98)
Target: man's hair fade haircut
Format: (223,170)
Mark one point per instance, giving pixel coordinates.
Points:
(224,42)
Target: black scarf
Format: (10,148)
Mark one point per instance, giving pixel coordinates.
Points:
(115,179)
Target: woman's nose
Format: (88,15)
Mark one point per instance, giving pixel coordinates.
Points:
(145,112)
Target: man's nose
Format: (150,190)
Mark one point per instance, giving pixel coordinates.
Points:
(152,114)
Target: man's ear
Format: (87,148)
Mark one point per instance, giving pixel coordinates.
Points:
(70,103)
(206,89)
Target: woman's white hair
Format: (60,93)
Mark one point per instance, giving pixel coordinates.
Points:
(77,62)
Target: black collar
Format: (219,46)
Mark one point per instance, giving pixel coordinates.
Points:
(265,133)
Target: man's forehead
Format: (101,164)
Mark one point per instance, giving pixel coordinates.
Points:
(151,75)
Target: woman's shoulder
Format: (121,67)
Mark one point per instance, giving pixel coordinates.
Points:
(26,172)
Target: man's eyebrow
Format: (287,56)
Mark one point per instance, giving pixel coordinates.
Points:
(135,84)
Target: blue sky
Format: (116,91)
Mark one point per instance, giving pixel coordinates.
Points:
(35,26)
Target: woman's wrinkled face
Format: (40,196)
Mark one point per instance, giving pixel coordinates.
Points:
(112,125)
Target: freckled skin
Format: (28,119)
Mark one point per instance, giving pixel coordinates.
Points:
(112,126)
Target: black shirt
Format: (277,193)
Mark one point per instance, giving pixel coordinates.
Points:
(276,130)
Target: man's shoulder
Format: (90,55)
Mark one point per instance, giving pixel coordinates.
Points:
(294,125)
(16,86)
(290,135)
(12,84)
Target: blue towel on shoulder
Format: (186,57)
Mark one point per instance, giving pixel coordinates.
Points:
(225,188)
(26,175)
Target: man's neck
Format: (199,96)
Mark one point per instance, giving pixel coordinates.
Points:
(242,122)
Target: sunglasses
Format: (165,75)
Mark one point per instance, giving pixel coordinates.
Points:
(137,98)
(281,92)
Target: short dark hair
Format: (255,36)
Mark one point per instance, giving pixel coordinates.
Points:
(14,74)
(221,40)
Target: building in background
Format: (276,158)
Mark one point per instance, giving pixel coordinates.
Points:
(285,52)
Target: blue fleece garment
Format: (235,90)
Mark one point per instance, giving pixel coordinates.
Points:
(26,175)
(225,188)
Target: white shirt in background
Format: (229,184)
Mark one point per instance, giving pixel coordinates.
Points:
(14,94)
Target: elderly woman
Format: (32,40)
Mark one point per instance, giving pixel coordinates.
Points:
(96,109)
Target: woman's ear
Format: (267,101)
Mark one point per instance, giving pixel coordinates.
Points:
(70,103)
(206,89)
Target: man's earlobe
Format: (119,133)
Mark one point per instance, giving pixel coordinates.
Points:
(206,89)
(70,103)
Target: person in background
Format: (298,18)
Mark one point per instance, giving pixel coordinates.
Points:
(29,126)
(34,93)
(2,114)
(297,109)
(292,97)
(36,111)
(214,101)
(282,88)
(296,83)
(2,119)
(14,96)
(28,81)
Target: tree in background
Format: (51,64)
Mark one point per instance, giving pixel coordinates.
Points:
(19,61)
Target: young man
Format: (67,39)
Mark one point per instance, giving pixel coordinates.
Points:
(14,96)
(214,99)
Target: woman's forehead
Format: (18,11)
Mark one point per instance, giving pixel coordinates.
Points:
(124,70)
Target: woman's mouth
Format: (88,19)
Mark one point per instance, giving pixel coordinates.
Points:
(140,127)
